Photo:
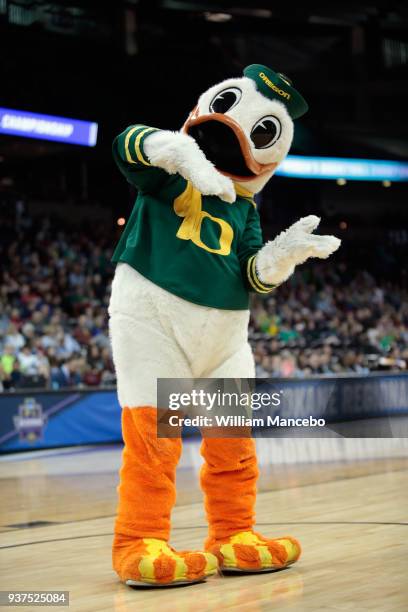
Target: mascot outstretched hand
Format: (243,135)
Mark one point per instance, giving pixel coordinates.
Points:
(191,253)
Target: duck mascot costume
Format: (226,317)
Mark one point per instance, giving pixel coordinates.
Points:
(190,255)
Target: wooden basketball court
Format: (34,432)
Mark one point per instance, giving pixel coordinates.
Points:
(57,511)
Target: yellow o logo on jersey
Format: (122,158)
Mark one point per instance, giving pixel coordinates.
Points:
(188,205)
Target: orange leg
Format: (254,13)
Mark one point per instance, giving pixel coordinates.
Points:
(141,553)
(228,479)
(147,491)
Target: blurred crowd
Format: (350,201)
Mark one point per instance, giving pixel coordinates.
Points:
(53,313)
(328,320)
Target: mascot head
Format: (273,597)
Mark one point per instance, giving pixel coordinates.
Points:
(244,126)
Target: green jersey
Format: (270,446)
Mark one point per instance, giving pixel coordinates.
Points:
(195,246)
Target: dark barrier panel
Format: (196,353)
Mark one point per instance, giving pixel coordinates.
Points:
(48,419)
(33,420)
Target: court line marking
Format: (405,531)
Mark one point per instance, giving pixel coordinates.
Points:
(99,535)
(300,486)
(95,518)
(56,451)
(308,484)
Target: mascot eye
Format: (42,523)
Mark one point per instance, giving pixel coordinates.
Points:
(266,132)
(225,100)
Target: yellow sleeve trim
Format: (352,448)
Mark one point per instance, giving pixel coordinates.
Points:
(139,154)
(253,277)
(137,145)
(127,152)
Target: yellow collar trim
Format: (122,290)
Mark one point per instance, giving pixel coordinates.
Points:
(244,193)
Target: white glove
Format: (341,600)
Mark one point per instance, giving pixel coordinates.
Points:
(176,152)
(277,259)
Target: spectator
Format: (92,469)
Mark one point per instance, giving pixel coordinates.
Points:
(14,338)
(29,361)
(7,359)
(67,375)
(14,380)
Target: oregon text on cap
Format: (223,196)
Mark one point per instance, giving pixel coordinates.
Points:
(269,83)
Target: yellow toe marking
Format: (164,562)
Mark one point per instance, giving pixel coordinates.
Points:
(245,537)
(228,553)
(211,565)
(155,548)
(290,548)
(180,571)
(146,568)
(265,556)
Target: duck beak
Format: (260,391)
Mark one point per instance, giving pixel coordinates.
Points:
(225,144)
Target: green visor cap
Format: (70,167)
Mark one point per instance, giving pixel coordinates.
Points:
(276,86)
